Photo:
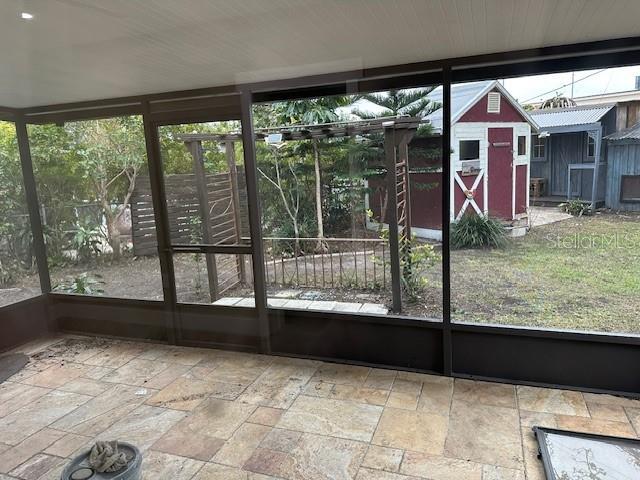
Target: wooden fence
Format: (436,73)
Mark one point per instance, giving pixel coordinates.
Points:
(183,207)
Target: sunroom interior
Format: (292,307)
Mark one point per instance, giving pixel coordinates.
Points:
(226,346)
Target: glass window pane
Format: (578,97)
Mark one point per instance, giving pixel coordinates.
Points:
(322,174)
(93,185)
(19,278)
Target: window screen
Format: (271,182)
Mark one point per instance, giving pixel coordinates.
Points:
(522,145)
(630,188)
(469,149)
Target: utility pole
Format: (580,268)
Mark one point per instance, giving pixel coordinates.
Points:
(573,74)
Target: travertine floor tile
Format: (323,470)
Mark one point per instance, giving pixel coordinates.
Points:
(184,394)
(266,416)
(101,412)
(214,471)
(157,465)
(485,434)
(137,372)
(67,445)
(436,397)
(533,465)
(315,457)
(537,419)
(143,426)
(371,396)
(116,355)
(318,389)
(168,375)
(203,432)
(492,472)
(332,417)
(594,425)
(601,411)
(383,458)
(416,430)
(85,386)
(634,418)
(611,400)
(341,374)
(281,440)
(14,456)
(239,448)
(57,375)
(183,355)
(371,474)
(551,400)
(240,368)
(279,385)
(436,467)
(36,467)
(27,420)
(183,441)
(379,378)
(15,395)
(487,393)
(403,400)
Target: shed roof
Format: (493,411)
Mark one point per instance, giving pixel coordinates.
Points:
(627,135)
(563,117)
(465,95)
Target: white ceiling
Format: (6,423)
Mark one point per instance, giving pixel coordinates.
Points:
(75,50)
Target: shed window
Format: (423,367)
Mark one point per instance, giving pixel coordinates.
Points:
(538,144)
(493,102)
(469,149)
(522,145)
(591,146)
(630,188)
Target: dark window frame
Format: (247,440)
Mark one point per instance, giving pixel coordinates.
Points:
(591,145)
(460,142)
(522,151)
(538,145)
(624,199)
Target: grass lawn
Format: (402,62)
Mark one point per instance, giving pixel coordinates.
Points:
(579,274)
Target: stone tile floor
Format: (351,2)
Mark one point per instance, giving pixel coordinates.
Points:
(208,414)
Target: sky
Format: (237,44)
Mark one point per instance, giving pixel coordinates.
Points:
(535,88)
(587,82)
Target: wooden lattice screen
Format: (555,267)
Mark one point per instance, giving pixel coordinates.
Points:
(184,213)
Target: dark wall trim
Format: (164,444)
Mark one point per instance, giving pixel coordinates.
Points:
(591,362)
(24,321)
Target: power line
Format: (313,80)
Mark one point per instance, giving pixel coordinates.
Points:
(565,85)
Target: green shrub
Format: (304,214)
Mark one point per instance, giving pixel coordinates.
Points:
(577,208)
(82,284)
(415,258)
(477,231)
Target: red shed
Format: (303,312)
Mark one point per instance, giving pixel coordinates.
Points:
(490,152)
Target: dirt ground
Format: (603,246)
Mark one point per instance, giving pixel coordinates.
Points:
(579,274)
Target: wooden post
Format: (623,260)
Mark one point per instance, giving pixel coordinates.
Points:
(195,147)
(392,217)
(229,147)
(403,156)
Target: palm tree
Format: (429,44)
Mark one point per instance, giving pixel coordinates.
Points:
(410,102)
(312,112)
